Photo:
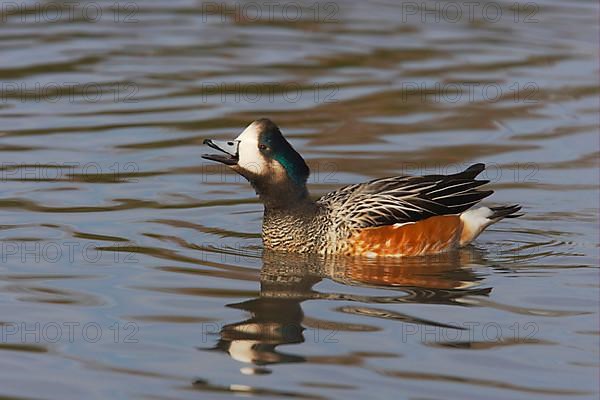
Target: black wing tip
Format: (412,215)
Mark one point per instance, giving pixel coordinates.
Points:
(476,167)
(506,212)
(471,172)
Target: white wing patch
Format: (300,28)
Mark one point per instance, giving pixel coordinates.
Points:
(474,222)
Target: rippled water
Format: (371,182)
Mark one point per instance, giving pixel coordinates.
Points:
(132,268)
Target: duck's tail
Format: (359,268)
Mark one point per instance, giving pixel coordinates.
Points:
(475,221)
(505,212)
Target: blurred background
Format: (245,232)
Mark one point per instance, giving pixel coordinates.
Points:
(132,268)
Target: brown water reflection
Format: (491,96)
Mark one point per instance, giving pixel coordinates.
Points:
(286,281)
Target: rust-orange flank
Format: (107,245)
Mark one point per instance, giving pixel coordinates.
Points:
(431,235)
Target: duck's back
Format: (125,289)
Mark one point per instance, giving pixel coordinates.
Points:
(406,215)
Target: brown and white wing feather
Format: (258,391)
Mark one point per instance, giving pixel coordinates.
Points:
(403,199)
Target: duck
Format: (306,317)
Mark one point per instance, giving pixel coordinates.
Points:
(395,216)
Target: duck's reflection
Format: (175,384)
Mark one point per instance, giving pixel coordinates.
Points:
(276,316)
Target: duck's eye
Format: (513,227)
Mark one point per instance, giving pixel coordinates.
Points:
(262,146)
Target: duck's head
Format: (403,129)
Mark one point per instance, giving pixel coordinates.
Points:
(263,156)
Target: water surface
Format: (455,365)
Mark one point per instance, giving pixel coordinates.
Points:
(132,268)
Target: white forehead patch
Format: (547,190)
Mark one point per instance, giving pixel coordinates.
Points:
(249,157)
(250,134)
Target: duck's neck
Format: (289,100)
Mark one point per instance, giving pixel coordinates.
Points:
(282,197)
(288,221)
